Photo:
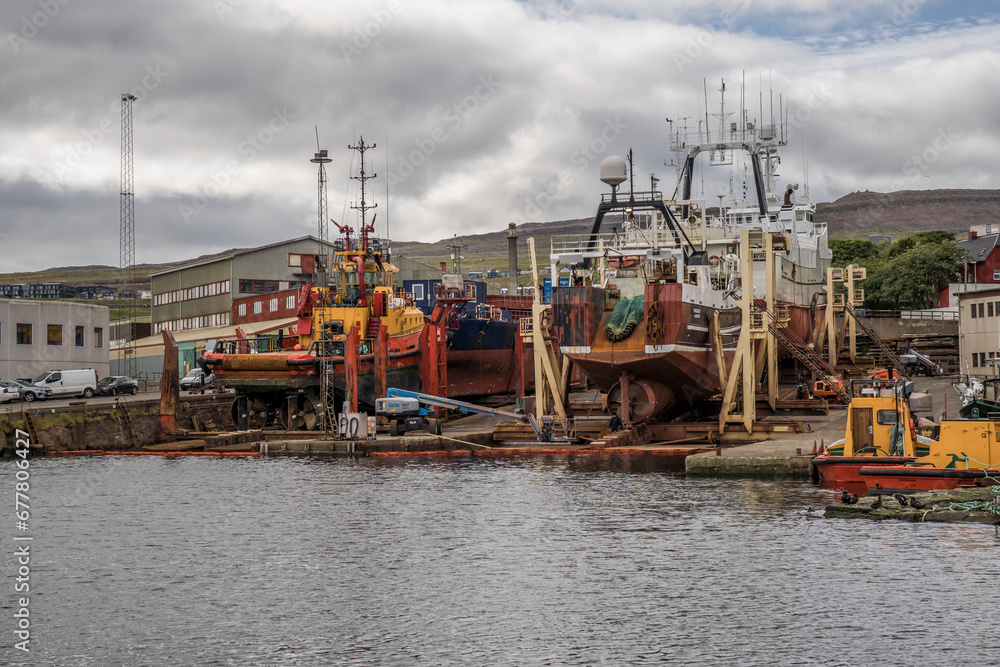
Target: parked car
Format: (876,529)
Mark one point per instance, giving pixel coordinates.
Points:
(73,382)
(196,378)
(9,392)
(29,391)
(117,384)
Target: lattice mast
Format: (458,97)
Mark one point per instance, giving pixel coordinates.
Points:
(363,178)
(127,282)
(320,158)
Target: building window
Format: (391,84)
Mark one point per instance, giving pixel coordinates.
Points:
(989,309)
(274,304)
(981,309)
(242,310)
(973,310)
(982,359)
(24,334)
(418,292)
(98,337)
(79,336)
(996,274)
(294,260)
(258,307)
(55,334)
(290,301)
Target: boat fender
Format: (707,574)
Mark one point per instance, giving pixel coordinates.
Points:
(714,260)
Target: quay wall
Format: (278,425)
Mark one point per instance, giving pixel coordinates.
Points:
(82,425)
(891,328)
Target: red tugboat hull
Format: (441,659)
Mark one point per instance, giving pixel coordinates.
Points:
(843,472)
(908,479)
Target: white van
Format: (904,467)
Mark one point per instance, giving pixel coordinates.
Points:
(80,382)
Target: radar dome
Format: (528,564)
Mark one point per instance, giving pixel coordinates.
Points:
(614,170)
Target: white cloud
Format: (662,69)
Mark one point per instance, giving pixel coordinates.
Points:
(495,110)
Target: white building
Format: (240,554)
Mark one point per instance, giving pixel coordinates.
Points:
(37,336)
(979,332)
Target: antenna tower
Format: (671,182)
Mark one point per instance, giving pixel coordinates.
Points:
(322,232)
(363,207)
(126,282)
(456,256)
(321,159)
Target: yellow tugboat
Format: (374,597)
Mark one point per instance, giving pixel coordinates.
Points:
(882,452)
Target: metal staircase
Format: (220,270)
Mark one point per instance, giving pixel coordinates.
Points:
(806,355)
(886,353)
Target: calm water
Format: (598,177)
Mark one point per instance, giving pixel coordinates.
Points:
(151,561)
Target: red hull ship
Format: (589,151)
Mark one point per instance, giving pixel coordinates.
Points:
(649,300)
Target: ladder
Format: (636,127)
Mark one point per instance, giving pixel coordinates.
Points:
(29,422)
(888,354)
(328,418)
(126,416)
(806,355)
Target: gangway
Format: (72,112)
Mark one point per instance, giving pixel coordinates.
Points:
(426,404)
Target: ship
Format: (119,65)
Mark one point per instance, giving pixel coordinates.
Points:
(646,295)
(286,383)
(882,452)
(486,353)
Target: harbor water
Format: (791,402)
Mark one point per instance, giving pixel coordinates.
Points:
(554,560)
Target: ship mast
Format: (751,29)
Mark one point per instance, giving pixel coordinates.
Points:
(363,178)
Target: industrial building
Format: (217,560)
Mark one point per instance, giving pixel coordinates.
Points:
(37,336)
(200,294)
(255,288)
(979,332)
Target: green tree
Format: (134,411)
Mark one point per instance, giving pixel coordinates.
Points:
(910,242)
(914,277)
(852,252)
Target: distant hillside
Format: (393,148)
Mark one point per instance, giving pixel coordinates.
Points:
(908,211)
(94,274)
(855,215)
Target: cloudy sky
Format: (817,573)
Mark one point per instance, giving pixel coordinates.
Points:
(484,112)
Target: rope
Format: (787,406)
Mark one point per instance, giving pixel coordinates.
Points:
(977,506)
(463,442)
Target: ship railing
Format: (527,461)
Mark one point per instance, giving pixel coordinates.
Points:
(485,311)
(628,242)
(335,348)
(782,313)
(655,195)
(252,345)
(943,315)
(526,327)
(463,290)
